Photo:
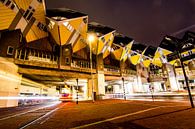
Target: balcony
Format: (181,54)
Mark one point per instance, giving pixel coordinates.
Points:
(82,66)
(129,72)
(111,70)
(157,77)
(34,57)
(46,59)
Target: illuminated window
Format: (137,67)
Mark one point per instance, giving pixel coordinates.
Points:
(10,50)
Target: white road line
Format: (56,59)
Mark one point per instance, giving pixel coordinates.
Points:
(39,118)
(114,118)
(47,114)
(8,117)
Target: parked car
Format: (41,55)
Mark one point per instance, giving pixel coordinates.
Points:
(65,97)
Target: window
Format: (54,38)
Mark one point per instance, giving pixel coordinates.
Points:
(29,13)
(10,50)
(85,20)
(67,60)
(29,16)
(12,6)
(8,3)
(2,1)
(40,1)
(103,39)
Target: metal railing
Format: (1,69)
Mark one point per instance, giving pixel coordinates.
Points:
(31,56)
(34,55)
(108,68)
(157,77)
(82,64)
(130,72)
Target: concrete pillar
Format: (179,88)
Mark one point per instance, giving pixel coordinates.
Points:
(89,88)
(122,67)
(139,78)
(100,78)
(172,83)
(100,84)
(135,87)
(10,83)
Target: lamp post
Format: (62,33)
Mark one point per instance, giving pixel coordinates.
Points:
(124,88)
(186,80)
(179,46)
(91,38)
(77,101)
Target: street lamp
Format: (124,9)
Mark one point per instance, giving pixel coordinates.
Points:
(91,39)
(77,91)
(177,48)
(124,88)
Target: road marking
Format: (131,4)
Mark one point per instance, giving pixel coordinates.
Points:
(8,117)
(114,118)
(47,114)
(39,118)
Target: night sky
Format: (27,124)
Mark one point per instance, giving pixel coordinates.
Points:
(146,21)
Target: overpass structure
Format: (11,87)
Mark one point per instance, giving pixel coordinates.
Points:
(44,50)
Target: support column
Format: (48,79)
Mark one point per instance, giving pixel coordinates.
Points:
(139,87)
(10,83)
(122,67)
(172,83)
(142,77)
(89,88)
(99,82)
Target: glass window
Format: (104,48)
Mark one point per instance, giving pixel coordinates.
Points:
(10,50)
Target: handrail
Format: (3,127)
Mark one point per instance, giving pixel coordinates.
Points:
(30,54)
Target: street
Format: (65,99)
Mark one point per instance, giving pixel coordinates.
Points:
(105,114)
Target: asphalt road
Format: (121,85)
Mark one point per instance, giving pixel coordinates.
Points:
(106,114)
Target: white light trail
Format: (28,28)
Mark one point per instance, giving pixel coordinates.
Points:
(28,98)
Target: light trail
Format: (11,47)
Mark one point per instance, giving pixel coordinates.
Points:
(28,98)
(38,119)
(12,116)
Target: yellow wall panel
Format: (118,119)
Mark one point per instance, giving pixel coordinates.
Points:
(40,14)
(146,63)
(75,23)
(117,53)
(166,52)
(35,34)
(173,62)
(79,45)
(157,62)
(30,36)
(106,53)
(6,17)
(100,46)
(64,34)
(157,55)
(135,59)
(54,33)
(24,4)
